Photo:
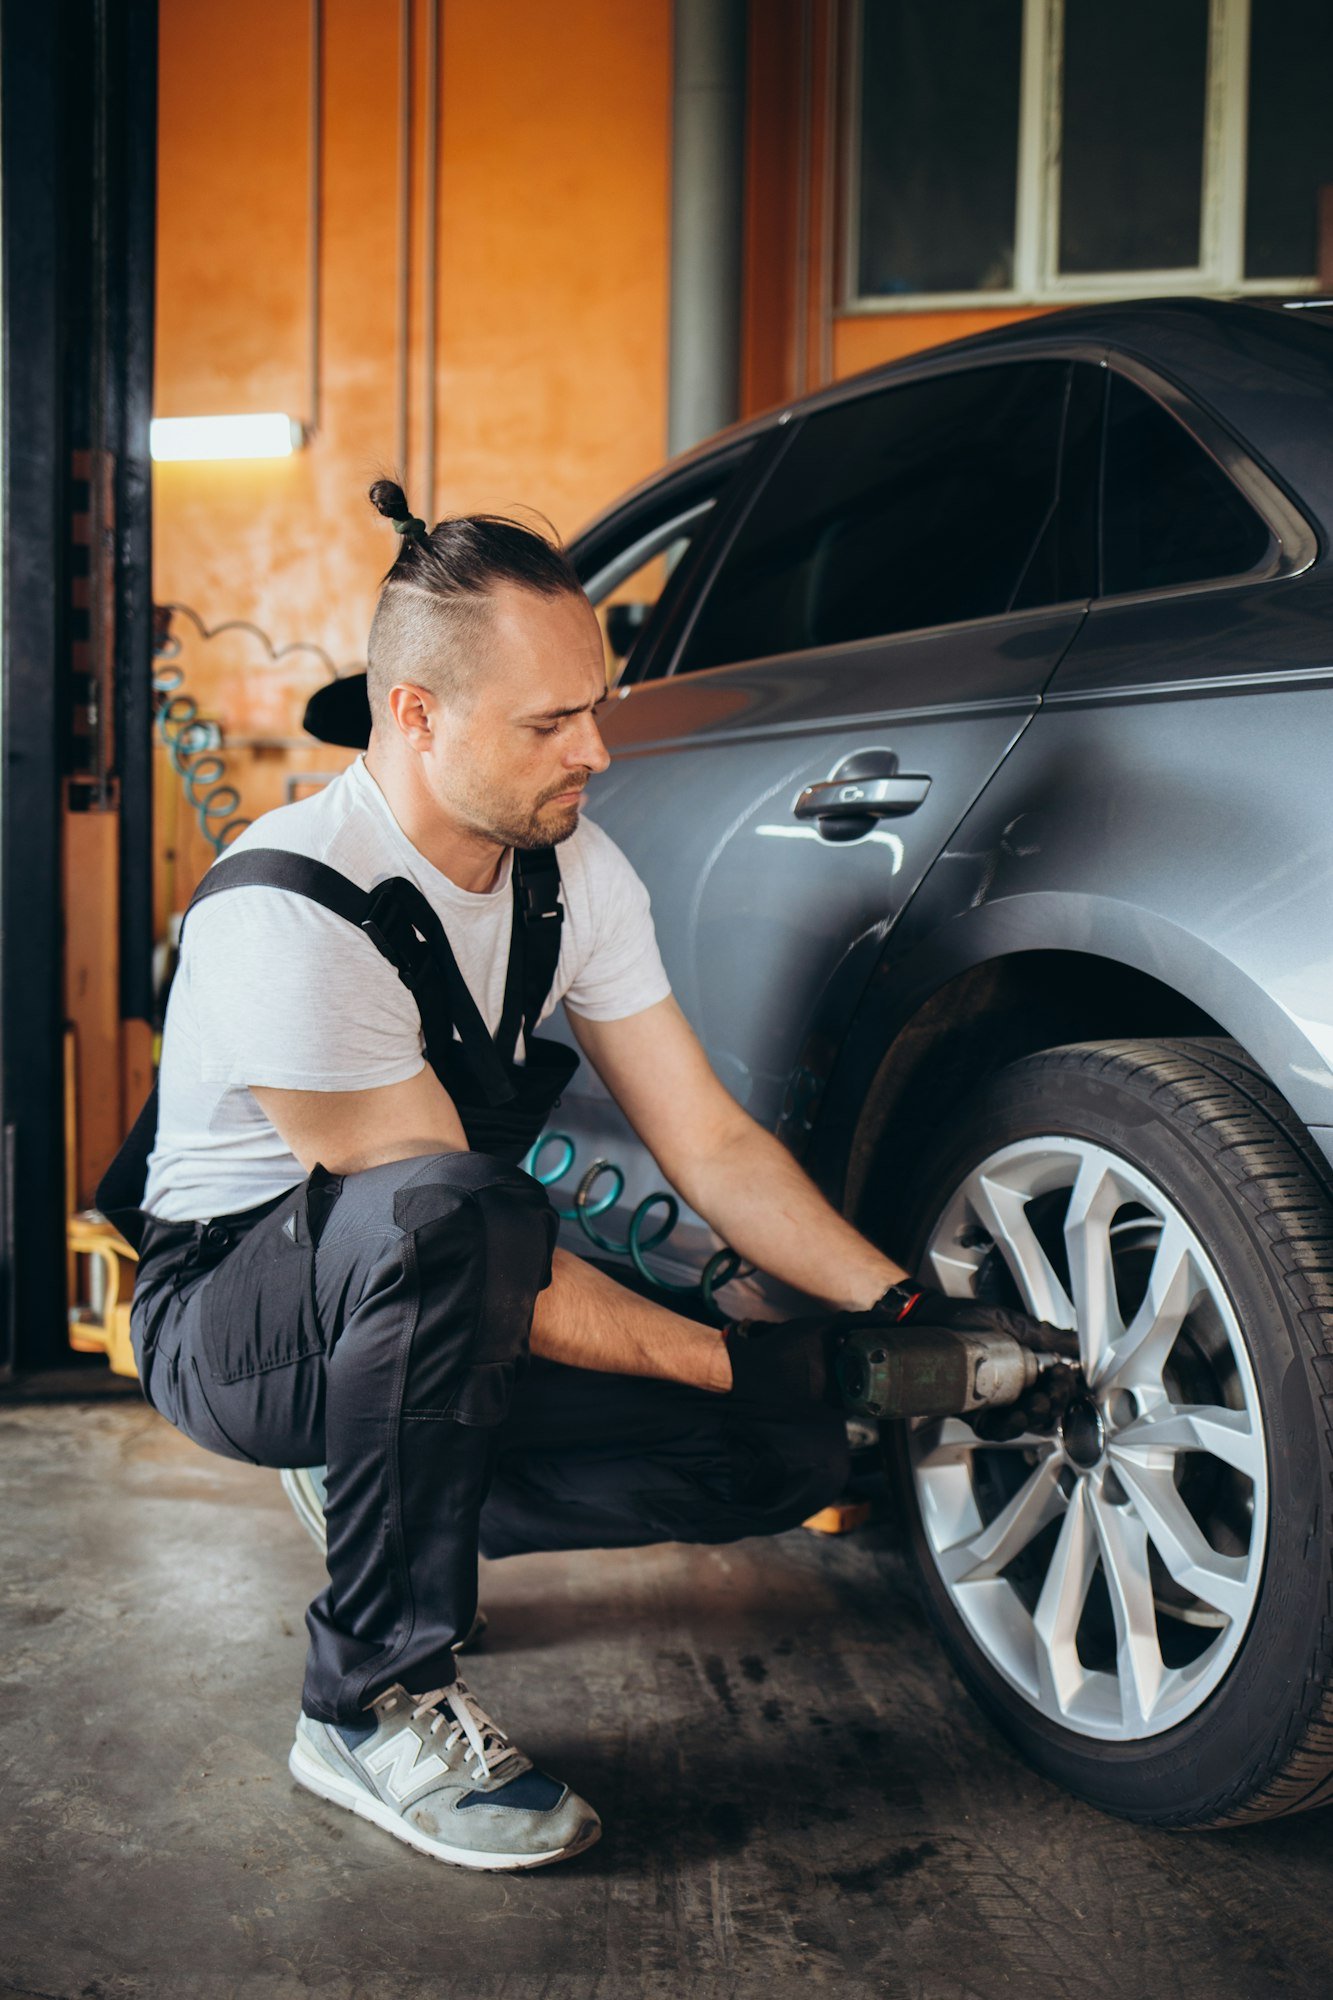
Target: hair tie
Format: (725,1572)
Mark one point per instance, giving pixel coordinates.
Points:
(414,527)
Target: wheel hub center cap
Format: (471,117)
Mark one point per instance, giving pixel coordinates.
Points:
(1082,1433)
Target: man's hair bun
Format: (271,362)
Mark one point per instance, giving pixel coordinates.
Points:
(390,500)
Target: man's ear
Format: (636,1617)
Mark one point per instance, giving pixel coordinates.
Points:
(414,711)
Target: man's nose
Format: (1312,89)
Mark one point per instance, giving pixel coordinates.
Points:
(589,748)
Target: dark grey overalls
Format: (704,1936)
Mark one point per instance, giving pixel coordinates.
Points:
(377,1323)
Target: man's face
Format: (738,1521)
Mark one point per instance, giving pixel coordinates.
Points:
(511,766)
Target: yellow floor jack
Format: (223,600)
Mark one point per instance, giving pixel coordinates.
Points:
(101,1279)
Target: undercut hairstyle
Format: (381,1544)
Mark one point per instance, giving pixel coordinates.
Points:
(430,624)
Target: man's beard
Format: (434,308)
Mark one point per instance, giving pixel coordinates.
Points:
(539,829)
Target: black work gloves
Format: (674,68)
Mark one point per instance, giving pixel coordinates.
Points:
(1038,1411)
(791,1360)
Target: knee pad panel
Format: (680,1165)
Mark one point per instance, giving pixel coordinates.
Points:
(457,1174)
(478,1263)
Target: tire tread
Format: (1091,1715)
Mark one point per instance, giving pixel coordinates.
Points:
(1218,1101)
(1253,1147)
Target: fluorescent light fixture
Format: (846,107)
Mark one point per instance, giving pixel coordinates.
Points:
(265,434)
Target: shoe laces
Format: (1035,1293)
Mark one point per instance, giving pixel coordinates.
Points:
(457,1709)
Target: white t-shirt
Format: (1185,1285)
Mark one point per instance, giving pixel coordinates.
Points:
(275,990)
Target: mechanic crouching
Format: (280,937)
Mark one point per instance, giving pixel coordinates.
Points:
(343,1264)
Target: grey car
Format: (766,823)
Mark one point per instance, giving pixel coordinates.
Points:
(973,740)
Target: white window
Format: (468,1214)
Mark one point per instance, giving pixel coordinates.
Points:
(1016,151)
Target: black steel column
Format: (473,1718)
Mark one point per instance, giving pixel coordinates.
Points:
(77,152)
(34,583)
(130,205)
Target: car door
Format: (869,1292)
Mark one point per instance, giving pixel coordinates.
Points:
(874,641)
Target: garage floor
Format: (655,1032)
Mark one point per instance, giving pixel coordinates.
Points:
(796,1792)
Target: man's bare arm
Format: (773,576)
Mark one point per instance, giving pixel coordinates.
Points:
(346,1131)
(586,1319)
(736,1175)
(582,1317)
(765,1206)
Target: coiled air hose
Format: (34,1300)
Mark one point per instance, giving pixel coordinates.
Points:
(194,745)
(721,1268)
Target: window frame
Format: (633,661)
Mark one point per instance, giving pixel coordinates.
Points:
(650,543)
(1037,278)
(1293,541)
(703,490)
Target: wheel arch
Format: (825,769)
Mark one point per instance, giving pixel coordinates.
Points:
(976,1022)
(956,992)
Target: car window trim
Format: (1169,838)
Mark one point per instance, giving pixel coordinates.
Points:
(1067,607)
(1293,543)
(655,657)
(649,544)
(674,490)
(708,484)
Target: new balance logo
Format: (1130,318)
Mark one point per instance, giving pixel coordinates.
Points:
(401,1764)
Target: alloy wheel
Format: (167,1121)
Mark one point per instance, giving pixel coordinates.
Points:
(1108,1572)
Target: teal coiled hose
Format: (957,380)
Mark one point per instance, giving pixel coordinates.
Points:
(194,745)
(721,1268)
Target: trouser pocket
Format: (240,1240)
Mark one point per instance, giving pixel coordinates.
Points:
(258,1311)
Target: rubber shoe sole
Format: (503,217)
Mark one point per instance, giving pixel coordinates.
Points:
(325,1784)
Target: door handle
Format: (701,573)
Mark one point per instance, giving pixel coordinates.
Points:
(861,798)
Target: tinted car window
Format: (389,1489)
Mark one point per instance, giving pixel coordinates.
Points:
(917,506)
(1169,512)
(1063,565)
(623,613)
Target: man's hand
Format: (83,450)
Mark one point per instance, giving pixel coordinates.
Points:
(792,1360)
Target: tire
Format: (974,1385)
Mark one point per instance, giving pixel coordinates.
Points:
(1143,1604)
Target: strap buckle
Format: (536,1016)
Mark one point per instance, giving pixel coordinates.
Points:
(394,935)
(534,903)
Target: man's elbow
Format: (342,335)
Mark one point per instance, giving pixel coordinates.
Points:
(698,1169)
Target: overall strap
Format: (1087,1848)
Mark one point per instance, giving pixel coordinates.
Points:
(275,868)
(537,900)
(427,967)
(405,929)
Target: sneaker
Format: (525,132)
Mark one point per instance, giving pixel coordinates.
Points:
(435,1771)
(304,1487)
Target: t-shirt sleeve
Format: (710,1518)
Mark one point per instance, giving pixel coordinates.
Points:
(623,972)
(288,995)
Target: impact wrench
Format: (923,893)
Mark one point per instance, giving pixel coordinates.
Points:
(915,1353)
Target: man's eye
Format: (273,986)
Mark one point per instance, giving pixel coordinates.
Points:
(546,732)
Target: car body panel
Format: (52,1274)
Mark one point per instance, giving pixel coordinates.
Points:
(1148,834)
(759,916)
(1142,783)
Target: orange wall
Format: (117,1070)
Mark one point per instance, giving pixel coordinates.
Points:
(862,340)
(550,361)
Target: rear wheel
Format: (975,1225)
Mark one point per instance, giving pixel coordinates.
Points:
(1143,1601)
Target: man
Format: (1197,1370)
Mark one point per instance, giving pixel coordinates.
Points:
(341,1261)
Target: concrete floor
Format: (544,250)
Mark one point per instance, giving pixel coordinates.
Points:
(797,1794)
